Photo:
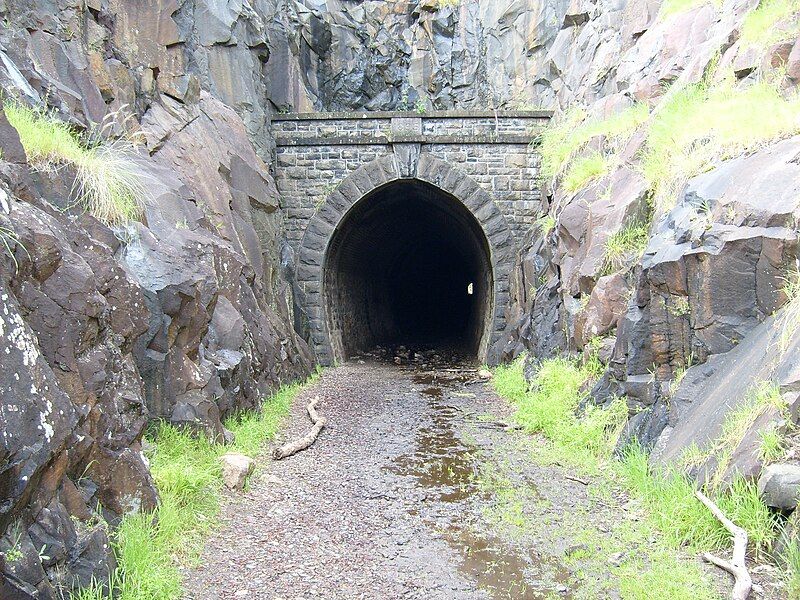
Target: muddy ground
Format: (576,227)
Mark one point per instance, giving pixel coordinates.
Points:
(417,489)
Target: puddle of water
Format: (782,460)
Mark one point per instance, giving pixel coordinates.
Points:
(446,466)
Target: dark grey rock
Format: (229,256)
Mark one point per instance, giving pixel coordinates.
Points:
(779,486)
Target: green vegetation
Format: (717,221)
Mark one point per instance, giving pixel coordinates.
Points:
(739,420)
(702,124)
(562,143)
(666,497)
(626,245)
(682,519)
(546,224)
(443,3)
(108,182)
(550,408)
(679,374)
(790,319)
(188,473)
(791,557)
(551,405)
(771,448)
(674,7)
(773,21)
(585,169)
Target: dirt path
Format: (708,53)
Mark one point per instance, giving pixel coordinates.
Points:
(413,491)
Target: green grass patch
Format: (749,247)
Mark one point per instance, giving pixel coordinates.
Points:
(791,558)
(790,319)
(108,182)
(562,142)
(738,421)
(551,405)
(773,21)
(772,445)
(626,245)
(700,125)
(666,497)
(584,169)
(674,7)
(682,519)
(188,474)
(509,380)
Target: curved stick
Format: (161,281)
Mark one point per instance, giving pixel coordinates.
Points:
(295,446)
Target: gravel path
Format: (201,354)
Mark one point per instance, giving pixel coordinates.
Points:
(392,502)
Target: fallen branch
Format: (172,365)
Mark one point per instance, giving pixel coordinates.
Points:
(575,479)
(309,438)
(742,583)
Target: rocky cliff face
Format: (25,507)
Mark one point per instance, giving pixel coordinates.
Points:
(714,251)
(183,316)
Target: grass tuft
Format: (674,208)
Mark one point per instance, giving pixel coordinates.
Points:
(773,21)
(738,421)
(791,558)
(700,125)
(625,246)
(108,182)
(561,142)
(585,169)
(772,445)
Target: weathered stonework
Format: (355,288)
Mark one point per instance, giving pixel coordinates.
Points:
(328,162)
(317,151)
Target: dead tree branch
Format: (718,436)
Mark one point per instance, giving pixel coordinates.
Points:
(295,446)
(742,582)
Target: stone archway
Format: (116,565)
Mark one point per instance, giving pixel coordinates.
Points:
(467,202)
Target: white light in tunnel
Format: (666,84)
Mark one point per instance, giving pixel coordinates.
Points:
(469,289)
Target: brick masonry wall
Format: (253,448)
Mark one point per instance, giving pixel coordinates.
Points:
(316,152)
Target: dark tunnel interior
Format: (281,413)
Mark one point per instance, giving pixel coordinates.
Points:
(408,265)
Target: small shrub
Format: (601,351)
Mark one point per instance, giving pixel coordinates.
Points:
(108,182)
(773,21)
(625,245)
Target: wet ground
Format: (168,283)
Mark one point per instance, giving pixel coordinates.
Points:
(417,488)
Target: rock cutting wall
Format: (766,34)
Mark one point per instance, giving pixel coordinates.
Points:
(187,314)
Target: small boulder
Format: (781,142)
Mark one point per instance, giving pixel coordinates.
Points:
(485,374)
(236,468)
(779,486)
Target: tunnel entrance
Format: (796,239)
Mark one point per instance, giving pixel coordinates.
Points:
(408,264)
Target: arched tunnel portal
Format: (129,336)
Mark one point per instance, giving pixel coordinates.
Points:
(408,265)
(420,259)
